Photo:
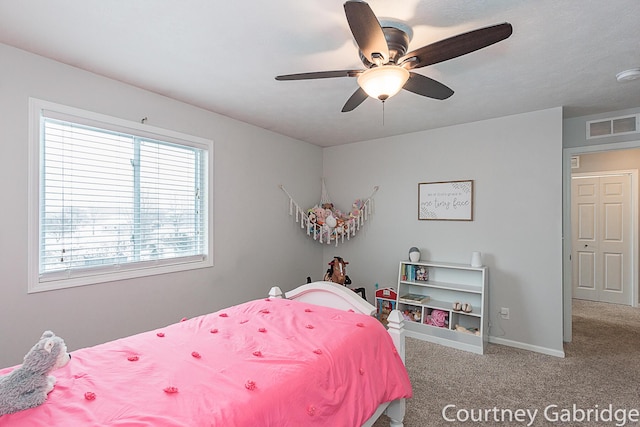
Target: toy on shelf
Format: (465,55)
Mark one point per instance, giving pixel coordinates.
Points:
(414,315)
(474,331)
(437,318)
(464,307)
(385,303)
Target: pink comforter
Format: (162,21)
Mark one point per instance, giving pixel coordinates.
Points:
(268,362)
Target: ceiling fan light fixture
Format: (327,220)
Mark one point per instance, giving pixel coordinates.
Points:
(383,82)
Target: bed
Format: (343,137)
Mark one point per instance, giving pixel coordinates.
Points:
(312,356)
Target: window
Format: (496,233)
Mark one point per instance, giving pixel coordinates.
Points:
(112,199)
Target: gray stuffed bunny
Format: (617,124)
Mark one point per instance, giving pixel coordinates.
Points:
(28,385)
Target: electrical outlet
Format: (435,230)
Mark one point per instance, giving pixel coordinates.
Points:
(504,313)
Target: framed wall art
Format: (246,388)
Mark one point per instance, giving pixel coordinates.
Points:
(447,200)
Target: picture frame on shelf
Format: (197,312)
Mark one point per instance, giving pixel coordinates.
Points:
(445,200)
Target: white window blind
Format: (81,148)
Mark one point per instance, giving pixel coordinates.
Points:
(112,201)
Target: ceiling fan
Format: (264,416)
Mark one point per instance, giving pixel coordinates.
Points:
(383,51)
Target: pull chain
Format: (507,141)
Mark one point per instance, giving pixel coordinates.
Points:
(382,113)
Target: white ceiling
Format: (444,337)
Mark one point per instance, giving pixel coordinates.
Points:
(223,56)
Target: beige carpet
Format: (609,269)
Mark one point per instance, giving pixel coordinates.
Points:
(596,384)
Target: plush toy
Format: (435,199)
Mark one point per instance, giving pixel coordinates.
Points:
(28,385)
(407,315)
(345,226)
(311,221)
(356,207)
(437,318)
(338,214)
(311,217)
(320,215)
(337,271)
(473,331)
(331,221)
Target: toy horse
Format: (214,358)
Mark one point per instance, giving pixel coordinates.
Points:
(337,272)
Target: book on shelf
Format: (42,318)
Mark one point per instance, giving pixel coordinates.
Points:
(413,272)
(414,298)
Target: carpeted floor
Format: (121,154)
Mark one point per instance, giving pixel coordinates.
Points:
(596,384)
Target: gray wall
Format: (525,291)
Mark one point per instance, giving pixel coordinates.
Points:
(609,161)
(256,243)
(516,166)
(575,135)
(517,225)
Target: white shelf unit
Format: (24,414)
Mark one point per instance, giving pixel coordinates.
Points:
(447,283)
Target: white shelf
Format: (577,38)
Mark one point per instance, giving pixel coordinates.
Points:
(444,285)
(445,306)
(447,283)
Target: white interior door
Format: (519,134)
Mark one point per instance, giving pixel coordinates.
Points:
(602,232)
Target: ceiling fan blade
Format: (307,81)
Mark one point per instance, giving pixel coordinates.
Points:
(356,99)
(456,46)
(425,86)
(320,75)
(367,31)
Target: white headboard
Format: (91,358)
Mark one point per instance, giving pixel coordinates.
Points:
(327,294)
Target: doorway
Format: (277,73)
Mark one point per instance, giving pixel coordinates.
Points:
(602,204)
(570,154)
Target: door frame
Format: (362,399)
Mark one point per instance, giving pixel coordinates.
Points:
(567,154)
(633,181)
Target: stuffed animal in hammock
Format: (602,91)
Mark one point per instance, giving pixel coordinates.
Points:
(28,385)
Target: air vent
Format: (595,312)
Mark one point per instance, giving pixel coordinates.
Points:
(613,126)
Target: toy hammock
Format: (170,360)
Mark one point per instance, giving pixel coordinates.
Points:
(327,224)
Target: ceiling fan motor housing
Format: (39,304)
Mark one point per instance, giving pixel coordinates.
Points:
(398,42)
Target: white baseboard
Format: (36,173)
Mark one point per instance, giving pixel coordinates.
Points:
(529,347)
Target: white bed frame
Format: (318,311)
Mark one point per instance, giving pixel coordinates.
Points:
(330,294)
